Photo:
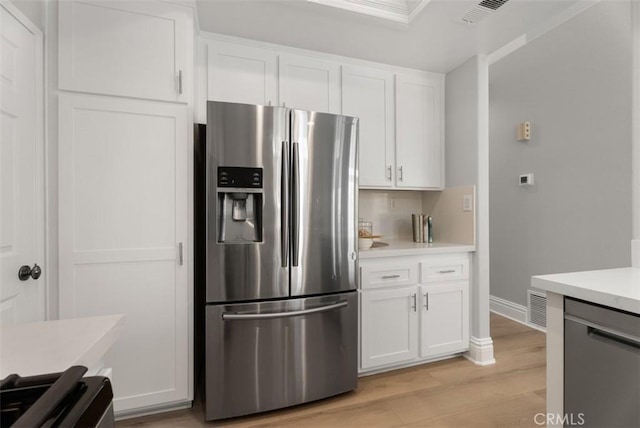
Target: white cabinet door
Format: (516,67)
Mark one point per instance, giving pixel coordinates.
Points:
(367,93)
(309,84)
(124,196)
(242,74)
(389,322)
(444,318)
(419,136)
(133,49)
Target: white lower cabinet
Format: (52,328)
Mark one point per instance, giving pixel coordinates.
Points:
(403,324)
(389,326)
(444,318)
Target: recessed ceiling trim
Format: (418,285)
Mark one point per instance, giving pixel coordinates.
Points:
(393,10)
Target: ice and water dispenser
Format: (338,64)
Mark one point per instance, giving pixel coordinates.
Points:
(239,205)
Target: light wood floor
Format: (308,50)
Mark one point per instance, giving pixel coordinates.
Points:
(450,393)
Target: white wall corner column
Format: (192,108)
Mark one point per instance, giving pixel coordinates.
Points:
(467,162)
(555,355)
(635,144)
(480,328)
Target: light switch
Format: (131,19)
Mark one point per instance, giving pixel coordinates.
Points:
(467,203)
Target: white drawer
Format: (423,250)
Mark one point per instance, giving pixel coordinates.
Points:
(380,276)
(445,269)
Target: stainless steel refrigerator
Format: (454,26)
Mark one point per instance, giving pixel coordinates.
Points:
(281,307)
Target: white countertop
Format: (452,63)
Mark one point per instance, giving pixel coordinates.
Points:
(54,346)
(410,248)
(616,288)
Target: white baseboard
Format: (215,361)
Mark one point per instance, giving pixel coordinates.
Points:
(635,253)
(152,410)
(508,309)
(513,311)
(480,351)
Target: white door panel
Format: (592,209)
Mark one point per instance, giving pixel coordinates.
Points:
(368,94)
(134,49)
(124,210)
(419,137)
(21,172)
(242,74)
(309,84)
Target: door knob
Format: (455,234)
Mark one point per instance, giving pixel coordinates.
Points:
(25,272)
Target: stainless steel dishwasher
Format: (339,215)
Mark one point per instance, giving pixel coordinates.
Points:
(601,365)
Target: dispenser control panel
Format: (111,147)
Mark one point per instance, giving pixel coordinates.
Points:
(233,176)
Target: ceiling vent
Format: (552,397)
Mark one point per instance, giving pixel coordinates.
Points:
(482,10)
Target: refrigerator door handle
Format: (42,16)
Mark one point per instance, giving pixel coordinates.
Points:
(284,206)
(230,316)
(295,208)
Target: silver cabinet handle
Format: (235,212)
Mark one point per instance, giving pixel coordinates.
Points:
(180,81)
(389,169)
(230,316)
(390,276)
(415,302)
(426,301)
(447,271)
(180,256)
(400,175)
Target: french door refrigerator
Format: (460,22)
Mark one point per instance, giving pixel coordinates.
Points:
(281,302)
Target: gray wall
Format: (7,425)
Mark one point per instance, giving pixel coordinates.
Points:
(574,85)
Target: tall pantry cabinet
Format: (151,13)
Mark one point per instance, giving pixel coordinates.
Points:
(125,189)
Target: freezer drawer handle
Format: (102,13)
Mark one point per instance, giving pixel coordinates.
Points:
(230,316)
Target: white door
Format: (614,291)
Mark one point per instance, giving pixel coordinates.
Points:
(444,318)
(21,171)
(368,94)
(419,135)
(125,237)
(389,329)
(309,84)
(242,74)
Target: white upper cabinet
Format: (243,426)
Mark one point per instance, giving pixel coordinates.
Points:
(419,132)
(367,93)
(401,111)
(309,83)
(242,74)
(132,49)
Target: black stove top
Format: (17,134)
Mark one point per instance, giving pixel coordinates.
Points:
(56,400)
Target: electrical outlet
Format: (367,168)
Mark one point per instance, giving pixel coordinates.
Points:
(467,203)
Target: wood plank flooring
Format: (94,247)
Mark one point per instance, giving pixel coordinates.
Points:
(450,393)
